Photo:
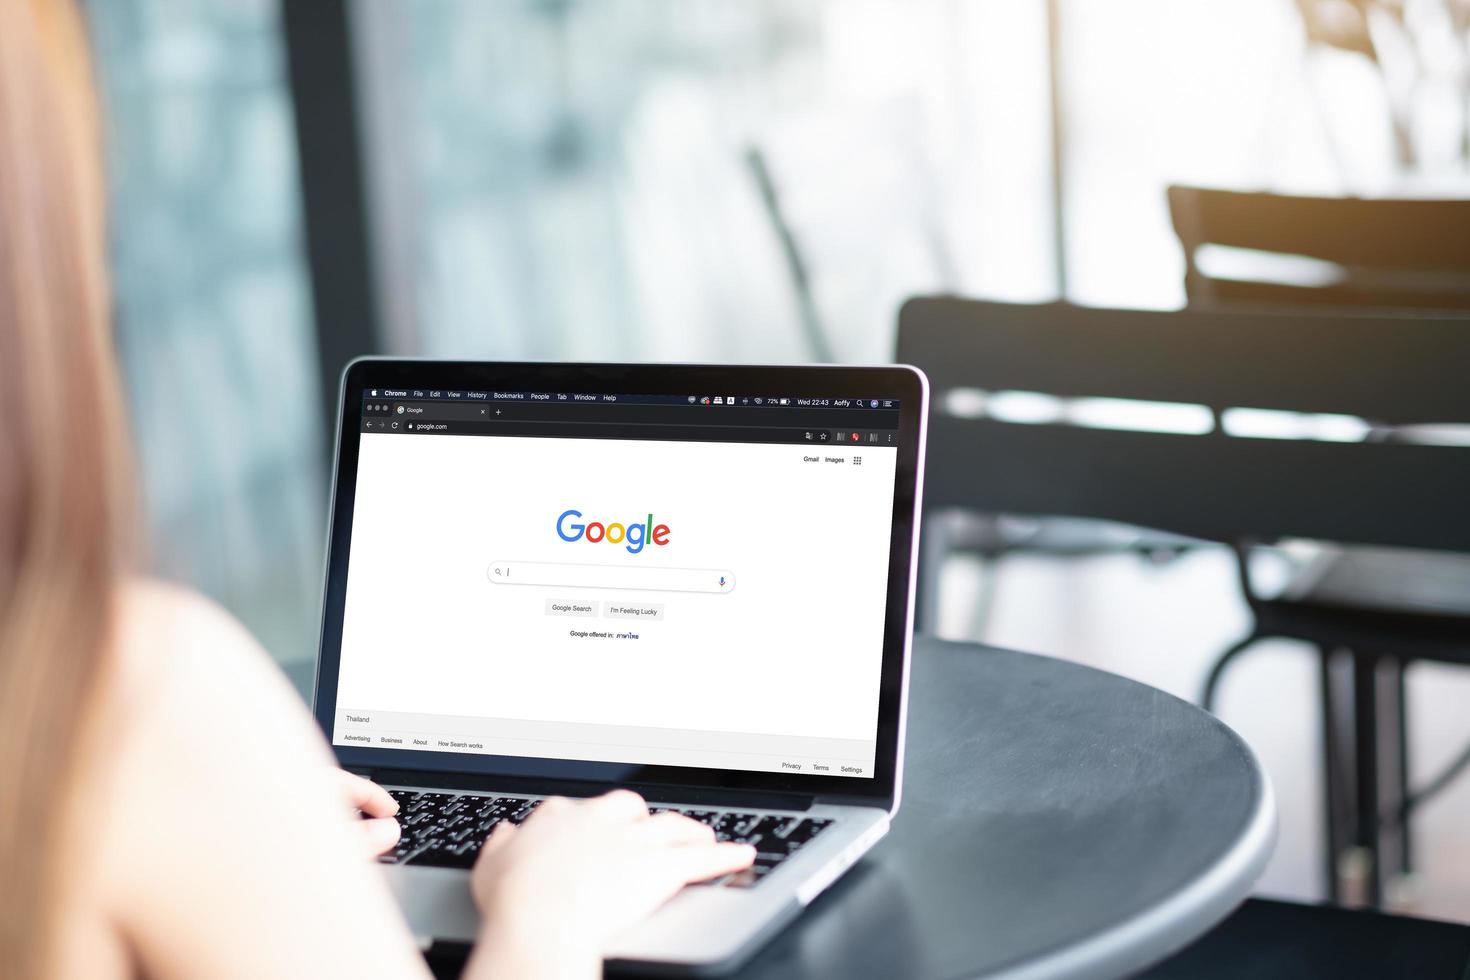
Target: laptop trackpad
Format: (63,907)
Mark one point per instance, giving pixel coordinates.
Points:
(437,903)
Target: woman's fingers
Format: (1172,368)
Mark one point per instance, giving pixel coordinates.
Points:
(675,828)
(366,795)
(498,838)
(620,804)
(698,862)
(380,833)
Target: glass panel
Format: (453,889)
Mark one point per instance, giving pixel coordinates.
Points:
(699,179)
(1161,92)
(212,304)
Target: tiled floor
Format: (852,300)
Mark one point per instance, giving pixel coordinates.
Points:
(1164,624)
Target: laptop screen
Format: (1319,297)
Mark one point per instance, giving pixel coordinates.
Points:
(694,580)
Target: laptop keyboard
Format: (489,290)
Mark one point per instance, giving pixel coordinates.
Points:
(445,830)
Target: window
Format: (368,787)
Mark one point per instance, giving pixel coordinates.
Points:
(761,181)
(212,304)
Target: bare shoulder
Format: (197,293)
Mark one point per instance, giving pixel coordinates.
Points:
(186,659)
(226,852)
(159,624)
(191,693)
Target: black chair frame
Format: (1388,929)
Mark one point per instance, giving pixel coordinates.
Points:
(1241,492)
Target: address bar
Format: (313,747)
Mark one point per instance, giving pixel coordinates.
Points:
(643,578)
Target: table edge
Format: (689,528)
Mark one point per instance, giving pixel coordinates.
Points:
(1152,935)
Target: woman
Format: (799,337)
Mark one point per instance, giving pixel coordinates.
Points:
(167,807)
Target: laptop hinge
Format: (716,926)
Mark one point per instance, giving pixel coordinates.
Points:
(726,797)
(652,792)
(877,802)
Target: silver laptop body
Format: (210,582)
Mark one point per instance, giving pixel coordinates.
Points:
(428,580)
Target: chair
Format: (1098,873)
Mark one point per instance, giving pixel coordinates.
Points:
(1241,492)
(1385,254)
(1389,253)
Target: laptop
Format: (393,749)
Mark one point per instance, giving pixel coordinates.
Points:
(693,581)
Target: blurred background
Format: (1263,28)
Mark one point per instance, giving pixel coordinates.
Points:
(297,183)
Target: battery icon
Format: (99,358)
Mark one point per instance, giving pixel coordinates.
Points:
(786,401)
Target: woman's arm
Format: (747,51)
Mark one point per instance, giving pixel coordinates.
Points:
(230,851)
(232,848)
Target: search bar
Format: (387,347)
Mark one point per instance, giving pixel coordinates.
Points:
(641,578)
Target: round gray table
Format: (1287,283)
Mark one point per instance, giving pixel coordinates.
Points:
(1057,821)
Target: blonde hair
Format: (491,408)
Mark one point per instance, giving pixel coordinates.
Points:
(63,461)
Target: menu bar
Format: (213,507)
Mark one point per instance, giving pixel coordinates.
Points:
(706,400)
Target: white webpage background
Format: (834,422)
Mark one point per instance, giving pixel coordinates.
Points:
(794,649)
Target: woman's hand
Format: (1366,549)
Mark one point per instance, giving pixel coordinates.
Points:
(379,829)
(555,891)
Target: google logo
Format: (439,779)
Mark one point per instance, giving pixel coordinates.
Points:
(636,535)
